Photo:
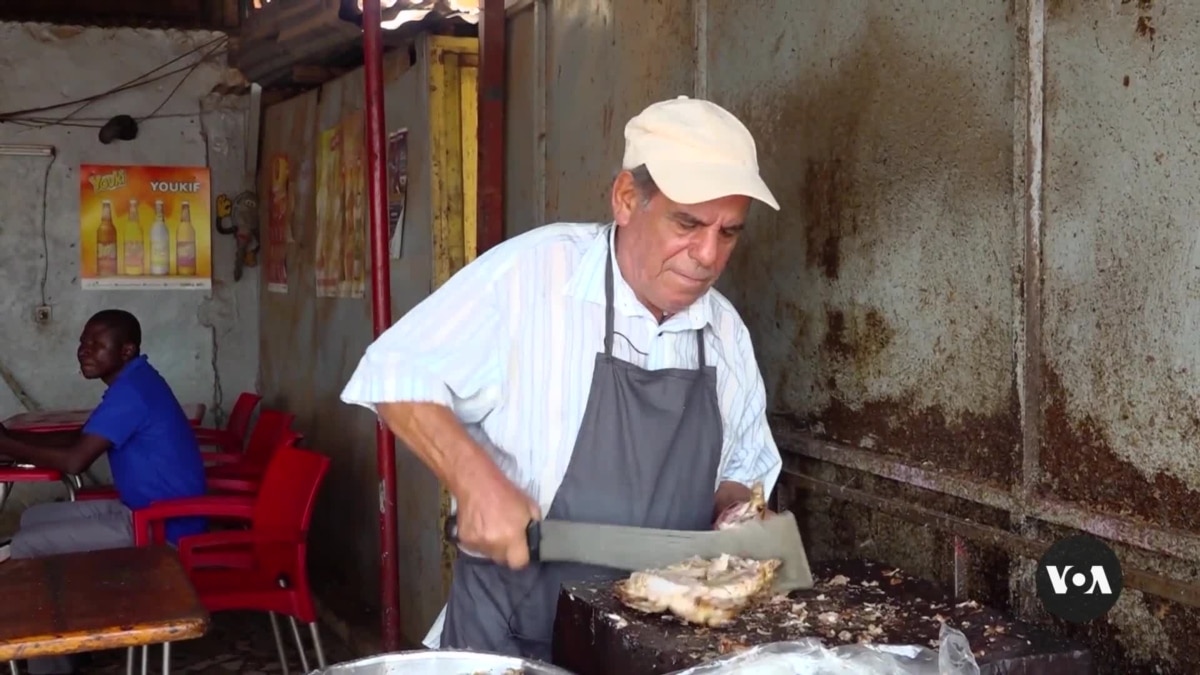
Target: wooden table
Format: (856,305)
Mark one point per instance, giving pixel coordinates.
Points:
(595,634)
(81,602)
(46,421)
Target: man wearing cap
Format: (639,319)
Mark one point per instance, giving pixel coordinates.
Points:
(586,372)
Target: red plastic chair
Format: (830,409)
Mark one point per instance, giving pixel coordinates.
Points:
(245,477)
(263,568)
(272,425)
(233,437)
(238,472)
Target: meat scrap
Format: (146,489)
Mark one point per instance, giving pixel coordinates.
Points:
(699,591)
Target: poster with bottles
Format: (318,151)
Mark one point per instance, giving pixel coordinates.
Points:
(144,227)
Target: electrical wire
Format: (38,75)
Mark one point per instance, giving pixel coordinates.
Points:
(135,82)
(221,40)
(194,67)
(24,118)
(45,235)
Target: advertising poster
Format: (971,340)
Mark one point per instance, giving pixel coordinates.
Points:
(397,165)
(145,227)
(341,210)
(278,220)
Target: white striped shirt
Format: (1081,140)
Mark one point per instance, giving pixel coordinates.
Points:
(509,343)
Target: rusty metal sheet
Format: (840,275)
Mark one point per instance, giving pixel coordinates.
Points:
(310,347)
(522,111)
(607,60)
(1122,268)
(881,297)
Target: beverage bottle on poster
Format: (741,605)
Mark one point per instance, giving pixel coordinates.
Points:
(160,243)
(185,243)
(106,243)
(135,243)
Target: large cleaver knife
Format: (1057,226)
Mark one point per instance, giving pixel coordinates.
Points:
(639,548)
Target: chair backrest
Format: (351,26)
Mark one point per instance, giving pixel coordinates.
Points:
(288,491)
(243,410)
(272,429)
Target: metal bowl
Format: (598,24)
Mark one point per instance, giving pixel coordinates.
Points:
(439,662)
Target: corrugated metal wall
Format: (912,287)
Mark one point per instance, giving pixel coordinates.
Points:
(906,337)
(310,347)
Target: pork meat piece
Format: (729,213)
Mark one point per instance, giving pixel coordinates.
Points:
(745,511)
(708,592)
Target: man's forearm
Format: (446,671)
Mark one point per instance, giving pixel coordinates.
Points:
(436,436)
(56,458)
(46,439)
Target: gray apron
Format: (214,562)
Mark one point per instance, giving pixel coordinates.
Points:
(647,455)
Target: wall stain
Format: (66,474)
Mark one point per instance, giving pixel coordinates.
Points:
(1079,465)
(1145,27)
(852,144)
(1065,10)
(984,447)
(858,343)
(825,186)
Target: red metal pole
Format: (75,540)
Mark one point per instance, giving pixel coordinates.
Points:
(492,34)
(381,312)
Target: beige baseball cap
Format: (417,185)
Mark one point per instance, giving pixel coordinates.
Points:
(695,151)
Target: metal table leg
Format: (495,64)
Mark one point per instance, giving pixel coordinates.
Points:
(73,483)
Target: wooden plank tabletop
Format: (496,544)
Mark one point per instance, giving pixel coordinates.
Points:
(80,602)
(44,421)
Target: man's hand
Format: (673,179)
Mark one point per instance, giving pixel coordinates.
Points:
(740,512)
(493,515)
(492,512)
(735,503)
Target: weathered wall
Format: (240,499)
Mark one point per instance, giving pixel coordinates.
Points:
(605,61)
(1121,258)
(205,345)
(310,347)
(881,293)
(892,303)
(1118,354)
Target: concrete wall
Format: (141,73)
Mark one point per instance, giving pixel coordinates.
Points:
(311,345)
(908,325)
(205,345)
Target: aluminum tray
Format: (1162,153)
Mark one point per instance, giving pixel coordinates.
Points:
(438,662)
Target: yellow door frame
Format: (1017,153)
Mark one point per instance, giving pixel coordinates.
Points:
(453,64)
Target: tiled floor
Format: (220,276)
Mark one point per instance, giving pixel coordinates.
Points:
(237,642)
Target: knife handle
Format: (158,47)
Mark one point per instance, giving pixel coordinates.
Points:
(533,536)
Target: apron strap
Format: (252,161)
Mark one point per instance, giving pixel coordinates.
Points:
(700,348)
(608,303)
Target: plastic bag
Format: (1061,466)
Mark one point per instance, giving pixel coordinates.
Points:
(810,657)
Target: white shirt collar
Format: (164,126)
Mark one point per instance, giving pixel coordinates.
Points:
(587,284)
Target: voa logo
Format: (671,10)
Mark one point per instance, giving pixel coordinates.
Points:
(1079,579)
(1095,579)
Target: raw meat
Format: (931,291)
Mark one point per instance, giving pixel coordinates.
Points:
(706,592)
(745,511)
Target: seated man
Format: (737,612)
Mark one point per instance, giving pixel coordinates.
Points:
(151,446)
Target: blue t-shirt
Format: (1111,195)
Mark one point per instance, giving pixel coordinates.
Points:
(154,454)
